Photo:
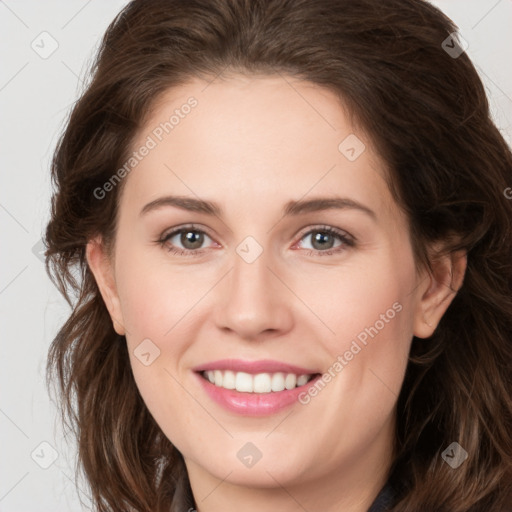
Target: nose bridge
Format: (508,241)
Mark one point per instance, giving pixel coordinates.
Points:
(255,300)
(251,274)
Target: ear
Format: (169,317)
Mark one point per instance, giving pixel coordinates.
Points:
(103,271)
(438,290)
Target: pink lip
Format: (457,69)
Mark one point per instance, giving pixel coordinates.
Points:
(254,367)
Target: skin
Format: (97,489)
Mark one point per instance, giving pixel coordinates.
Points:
(252,144)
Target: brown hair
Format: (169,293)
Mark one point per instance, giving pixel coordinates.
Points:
(428,116)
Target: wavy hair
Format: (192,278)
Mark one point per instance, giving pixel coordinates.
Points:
(449,169)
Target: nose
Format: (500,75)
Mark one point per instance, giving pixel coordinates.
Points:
(253,301)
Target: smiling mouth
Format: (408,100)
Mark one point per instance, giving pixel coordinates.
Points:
(257,383)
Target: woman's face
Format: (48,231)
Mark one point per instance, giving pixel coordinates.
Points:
(269,289)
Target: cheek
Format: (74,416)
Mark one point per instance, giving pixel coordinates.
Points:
(364,301)
(154,303)
(153,295)
(368,309)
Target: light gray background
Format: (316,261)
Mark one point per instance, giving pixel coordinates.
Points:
(35,97)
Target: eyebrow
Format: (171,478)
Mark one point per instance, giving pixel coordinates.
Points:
(291,208)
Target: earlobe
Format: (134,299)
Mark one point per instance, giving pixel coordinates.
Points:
(442,285)
(102,270)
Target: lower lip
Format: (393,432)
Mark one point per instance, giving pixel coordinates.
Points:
(253,404)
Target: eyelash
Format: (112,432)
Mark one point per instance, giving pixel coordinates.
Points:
(346,241)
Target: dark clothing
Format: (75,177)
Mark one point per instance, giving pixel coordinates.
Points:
(383,500)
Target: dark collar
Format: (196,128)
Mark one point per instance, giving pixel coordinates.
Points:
(383,500)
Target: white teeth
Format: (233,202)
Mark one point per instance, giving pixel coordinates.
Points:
(259,383)
(291,381)
(229,380)
(262,383)
(278,382)
(303,379)
(243,382)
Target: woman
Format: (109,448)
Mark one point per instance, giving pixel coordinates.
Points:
(212,360)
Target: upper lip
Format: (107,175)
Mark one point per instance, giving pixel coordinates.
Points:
(254,367)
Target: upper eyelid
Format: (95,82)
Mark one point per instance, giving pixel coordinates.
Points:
(325,227)
(174,231)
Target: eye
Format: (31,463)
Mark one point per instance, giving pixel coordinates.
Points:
(189,237)
(323,239)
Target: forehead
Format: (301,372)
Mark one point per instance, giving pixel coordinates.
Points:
(243,137)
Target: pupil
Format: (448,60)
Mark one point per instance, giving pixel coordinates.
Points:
(189,237)
(321,236)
